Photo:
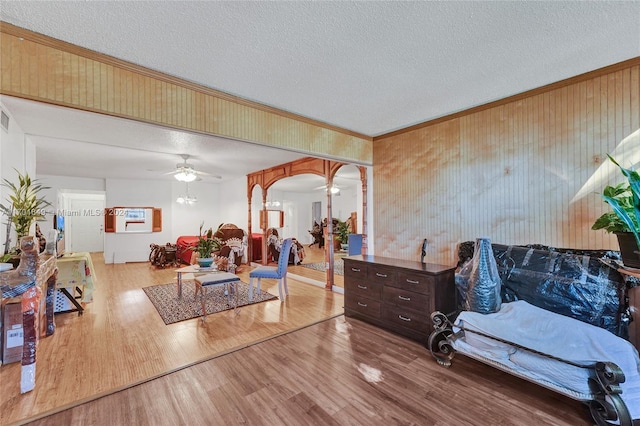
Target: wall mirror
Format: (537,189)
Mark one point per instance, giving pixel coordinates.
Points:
(133,219)
(271,219)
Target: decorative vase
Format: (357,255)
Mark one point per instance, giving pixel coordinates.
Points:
(483,288)
(205,262)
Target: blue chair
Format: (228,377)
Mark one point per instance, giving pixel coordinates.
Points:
(279,273)
(355,244)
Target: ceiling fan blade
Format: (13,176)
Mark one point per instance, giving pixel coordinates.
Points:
(325,187)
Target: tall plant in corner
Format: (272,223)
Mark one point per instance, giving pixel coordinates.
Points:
(25,205)
(624,199)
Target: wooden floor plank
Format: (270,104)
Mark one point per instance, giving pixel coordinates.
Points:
(231,370)
(121,340)
(295,378)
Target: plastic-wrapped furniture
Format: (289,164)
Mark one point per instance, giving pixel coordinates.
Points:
(573,358)
(563,325)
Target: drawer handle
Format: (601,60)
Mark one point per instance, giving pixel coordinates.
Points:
(364,287)
(404,318)
(404,298)
(378,274)
(355,269)
(364,305)
(412,281)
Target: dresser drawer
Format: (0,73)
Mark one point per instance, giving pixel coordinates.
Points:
(355,270)
(361,288)
(407,299)
(368,307)
(407,318)
(420,283)
(382,275)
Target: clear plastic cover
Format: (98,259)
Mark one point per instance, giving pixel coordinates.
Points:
(572,284)
(483,281)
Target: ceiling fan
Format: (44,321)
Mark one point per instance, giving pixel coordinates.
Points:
(185,172)
(335,189)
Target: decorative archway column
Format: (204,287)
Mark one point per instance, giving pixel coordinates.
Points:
(365,225)
(328,244)
(308,165)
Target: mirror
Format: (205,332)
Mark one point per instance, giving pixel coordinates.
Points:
(133,220)
(271,219)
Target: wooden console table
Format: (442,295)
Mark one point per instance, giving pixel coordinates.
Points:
(398,295)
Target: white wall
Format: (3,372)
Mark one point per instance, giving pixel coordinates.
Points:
(217,204)
(59,184)
(120,248)
(17,152)
(232,202)
(186,219)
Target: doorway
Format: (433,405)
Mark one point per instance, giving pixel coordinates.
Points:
(84,221)
(316,213)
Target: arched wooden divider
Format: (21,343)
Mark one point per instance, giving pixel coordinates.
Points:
(308,165)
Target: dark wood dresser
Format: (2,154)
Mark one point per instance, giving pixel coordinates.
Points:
(398,295)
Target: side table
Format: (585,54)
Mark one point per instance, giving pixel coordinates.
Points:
(634,306)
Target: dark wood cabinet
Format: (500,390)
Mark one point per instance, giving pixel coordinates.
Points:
(398,295)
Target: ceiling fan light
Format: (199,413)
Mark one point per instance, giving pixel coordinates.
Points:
(185,176)
(334,190)
(181,199)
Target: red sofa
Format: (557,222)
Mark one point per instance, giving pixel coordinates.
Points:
(183,243)
(225,233)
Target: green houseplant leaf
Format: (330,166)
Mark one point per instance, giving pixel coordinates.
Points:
(25,203)
(343,232)
(624,199)
(207,243)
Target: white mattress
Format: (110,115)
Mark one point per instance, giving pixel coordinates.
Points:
(552,334)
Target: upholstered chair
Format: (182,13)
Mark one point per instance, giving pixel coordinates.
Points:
(279,273)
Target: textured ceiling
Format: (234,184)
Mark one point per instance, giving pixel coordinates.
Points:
(371,67)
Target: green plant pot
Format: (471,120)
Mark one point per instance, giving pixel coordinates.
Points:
(629,250)
(205,262)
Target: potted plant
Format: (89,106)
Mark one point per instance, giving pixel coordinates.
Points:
(25,205)
(343,231)
(206,245)
(624,220)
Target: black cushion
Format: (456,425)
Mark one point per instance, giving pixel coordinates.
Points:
(573,284)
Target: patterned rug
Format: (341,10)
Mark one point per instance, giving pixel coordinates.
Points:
(338,266)
(171,309)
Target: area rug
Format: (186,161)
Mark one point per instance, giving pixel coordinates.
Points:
(171,309)
(338,266)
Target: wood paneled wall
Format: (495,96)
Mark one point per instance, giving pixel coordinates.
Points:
(40,68)
(510,172)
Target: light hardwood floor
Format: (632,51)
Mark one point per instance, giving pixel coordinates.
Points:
(337,372)
(121,340)
(296,363)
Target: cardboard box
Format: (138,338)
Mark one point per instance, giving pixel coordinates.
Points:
(12,333)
